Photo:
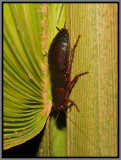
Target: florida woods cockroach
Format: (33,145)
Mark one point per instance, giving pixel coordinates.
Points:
(60,64)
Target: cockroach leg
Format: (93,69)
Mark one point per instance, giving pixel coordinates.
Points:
(72,55)
(66,66)
(69,107)
(76,78)
(73,104)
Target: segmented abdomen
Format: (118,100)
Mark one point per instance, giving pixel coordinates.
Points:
(58,56)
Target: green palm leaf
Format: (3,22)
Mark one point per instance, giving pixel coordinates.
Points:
(26,90)
(28,31)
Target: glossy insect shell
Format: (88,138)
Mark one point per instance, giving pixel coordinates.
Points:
(57,59)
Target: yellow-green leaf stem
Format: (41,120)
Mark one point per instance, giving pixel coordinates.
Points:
(96,92)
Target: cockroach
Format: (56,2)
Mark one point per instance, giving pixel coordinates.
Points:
(60,64)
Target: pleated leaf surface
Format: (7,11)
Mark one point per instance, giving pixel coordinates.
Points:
(28,31)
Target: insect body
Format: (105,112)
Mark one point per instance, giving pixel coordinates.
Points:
(60,69)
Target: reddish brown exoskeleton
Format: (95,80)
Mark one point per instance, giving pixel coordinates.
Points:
(60,65)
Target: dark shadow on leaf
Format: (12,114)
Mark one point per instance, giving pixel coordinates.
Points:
(25,150)
(61,120)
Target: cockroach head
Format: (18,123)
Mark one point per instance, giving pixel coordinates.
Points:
(64,31)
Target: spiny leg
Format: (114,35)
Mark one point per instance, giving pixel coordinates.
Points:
(68,76)
(73,82)
(72,55)
(73,103)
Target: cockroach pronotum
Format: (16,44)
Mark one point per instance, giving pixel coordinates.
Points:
(60,65)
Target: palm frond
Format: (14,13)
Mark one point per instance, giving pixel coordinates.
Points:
(26,88)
